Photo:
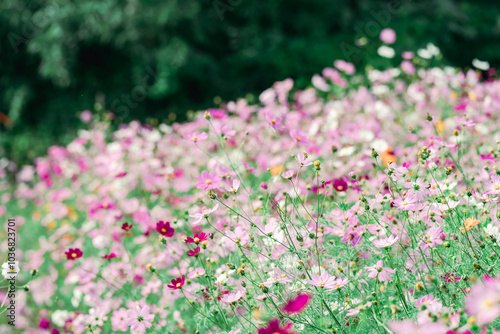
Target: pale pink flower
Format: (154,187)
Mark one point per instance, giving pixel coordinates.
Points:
(196,137)
(139,319)
(303,161)
(287,175)
(323,281)
(385,242)
(388,36)
(380,272)
(203,213)
(235,187)
(493,187)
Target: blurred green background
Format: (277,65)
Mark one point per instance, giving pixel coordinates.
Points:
(147,59)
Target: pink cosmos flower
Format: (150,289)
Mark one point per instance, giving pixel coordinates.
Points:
(323,281)
(344,66)
(380,272)
(196,137)
(493,187)
(432,238)
(483,302)
(235,187)
(139,319)
(275,122)
(385,242)
(299,137)
(203,213)
(298,304)
(340,185)
(208,181)
(274,327)
(303,161)
(232,297)
(287,175)
(407,203)
(196,273)
(388,36)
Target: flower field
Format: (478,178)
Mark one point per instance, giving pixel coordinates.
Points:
(366,203)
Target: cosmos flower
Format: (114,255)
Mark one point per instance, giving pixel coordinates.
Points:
(203,213)
(208,181)
(380,272)
(297,304)
(194,252)
(303,160)
(139,318)
(299,137)
(388,36)
(197,238)
(196,137)
(73,254)
(322,281)
(492,187)
(109,256)
(274,327)
(127,227)
(196,273)
(385,242)
(340,185)
(235,187)
(177,283)
(164,229)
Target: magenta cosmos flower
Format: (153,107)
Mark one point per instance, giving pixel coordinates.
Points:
(340,185)
(274,327)
(177,283)
(127,227)
(380,272)
(73,253)
(139,319)
(197,238)
(194,252)
(297,304)
(109,256)
(164,229)
(208,181)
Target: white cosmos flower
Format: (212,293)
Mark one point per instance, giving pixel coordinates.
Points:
(9,270)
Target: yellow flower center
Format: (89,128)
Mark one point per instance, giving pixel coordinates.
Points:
(496,187)
(195,138)
(164,230)
(405,202)
(74,255)
(340,187)
(178,285)
(196,239)
(298,138)
(208,182)
(322,283)
(283,276)
(273,121)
